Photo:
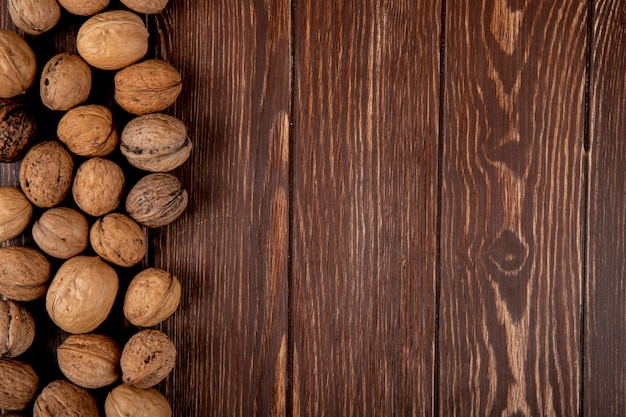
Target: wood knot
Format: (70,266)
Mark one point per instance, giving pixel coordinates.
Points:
(508,252)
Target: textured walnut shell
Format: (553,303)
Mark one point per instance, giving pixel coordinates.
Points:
(17,129)
(61,232)
(82,294)
(46,174)
(15,212)
(155,142)
(152,296)
(88,130)
(128,401)
(18,384)
(150,86)
(147,358)
(84,7)
(90,360)
(65,82)
(112,40)
(24,273)
(64,399)
(18,65)
(17,329)
(156,200)
(34,16)
(98,186)
(118,239)
(146,6)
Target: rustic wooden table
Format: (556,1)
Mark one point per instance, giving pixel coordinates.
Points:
(398,208)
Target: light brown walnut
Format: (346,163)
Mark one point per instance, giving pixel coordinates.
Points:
(61,232)
(15,212)
(17,329)
(152,296)
(34,16)
(98,186)
(63,399)
(88,130)
(18,64)
(156,200)
(90,360)
(65,82)
(147,358)
(18,384)
(118,239)
(84,7)
(128,401)
(146,6)
(24,273)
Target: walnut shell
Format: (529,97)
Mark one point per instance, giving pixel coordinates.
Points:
(17,129)
(150,86)
(84,7)
(46,174)
(64,399)
(155,142)
(118,239)
(156,200)
(152,296)
(112,40)
(61,232)
(65,82)
(98,186)
(147,358)
(18,65)
(88,130)
(82,294)
(34,16)
(18,384)
(128,401)
(17,329)
(90,360)
(146,6)
(24,273)
(15,212)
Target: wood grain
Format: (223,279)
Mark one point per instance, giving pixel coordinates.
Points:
(512,208)
(604,386)
(364,207)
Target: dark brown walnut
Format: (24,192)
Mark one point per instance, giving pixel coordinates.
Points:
(18,64)
(34,16)
(146,6)
(90,360)
(150,86)
(46,174)
(18,384)
(65,82)
(24,273)
(98,186)
(17,129)
(88,130)
(128,401)
(152,296)
(17,329)
(84,7)
(147,358)
(15,212)
(61,232)
(156,200)
(118,239)
(64,399)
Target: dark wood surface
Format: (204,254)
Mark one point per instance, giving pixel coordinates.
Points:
(398,208)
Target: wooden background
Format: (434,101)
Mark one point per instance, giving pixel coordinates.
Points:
(398,208)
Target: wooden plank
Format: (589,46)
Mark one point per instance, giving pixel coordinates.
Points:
(605,312)
(364,206)
(512,208)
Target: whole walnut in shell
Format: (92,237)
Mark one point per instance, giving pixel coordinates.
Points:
(65,82)
(17,129)
(147,358)
(112,40)
(64,399)
(146,6)
(84,7)
(155,142)
(118,239)
(18,65)
(18,384)
(61,232)
(17,329)
(152,296)
(88,130)
(156,200)
(46,174)
(150,86)
(98,186)
(34,16)
(90,360)
(15,212)
(128,401)
(24,273)
(82,294)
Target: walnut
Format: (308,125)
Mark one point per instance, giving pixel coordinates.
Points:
(61,232)
(152,296)
(46,174)
(64,399)
(65,82)
(98,186)
(82,294)
(17,329)
(146,6)
(128,401)
(112,40)
(90,360)
(18,65)
(88,130)
(156,200)
(118,239)
(84,7)
(18,384)
(24,273)
(150,86)
(34,16)
(15,212)
(17,129)
(147,358)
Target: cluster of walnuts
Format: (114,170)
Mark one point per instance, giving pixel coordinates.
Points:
(90,233)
